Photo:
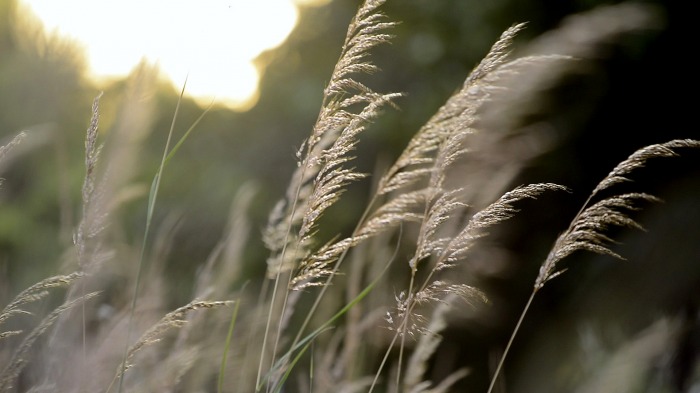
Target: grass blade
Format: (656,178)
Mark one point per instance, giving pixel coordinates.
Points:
(227,346)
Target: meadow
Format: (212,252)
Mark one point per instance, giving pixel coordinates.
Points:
(450,264)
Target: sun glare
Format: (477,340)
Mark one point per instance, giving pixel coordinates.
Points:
(211,42)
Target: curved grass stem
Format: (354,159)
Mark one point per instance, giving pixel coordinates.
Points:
(510,342)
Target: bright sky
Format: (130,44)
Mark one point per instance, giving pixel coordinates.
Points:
(212,41)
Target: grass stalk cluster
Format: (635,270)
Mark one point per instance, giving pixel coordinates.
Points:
(299,329)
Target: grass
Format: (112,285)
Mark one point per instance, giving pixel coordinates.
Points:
(302,329)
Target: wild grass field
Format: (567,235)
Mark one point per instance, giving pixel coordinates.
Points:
(452,264)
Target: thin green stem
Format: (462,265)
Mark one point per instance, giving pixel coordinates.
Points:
(84,334)
(149,215)
(381,365)
(326,325)
(227,346)
(277,280)
(404,326)
(278,334)
(325,285)
(510,342)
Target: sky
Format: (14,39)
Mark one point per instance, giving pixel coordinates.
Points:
(211,43)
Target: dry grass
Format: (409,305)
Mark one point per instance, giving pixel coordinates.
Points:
(301,331)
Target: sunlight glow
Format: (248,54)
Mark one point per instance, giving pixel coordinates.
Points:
(211,41)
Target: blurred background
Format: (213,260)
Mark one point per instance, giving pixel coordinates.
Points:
(631,91)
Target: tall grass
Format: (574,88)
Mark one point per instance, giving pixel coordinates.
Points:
(302,329)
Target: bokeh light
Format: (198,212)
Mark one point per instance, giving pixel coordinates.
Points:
(212,43)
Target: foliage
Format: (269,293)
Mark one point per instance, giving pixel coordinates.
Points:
(404,274)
